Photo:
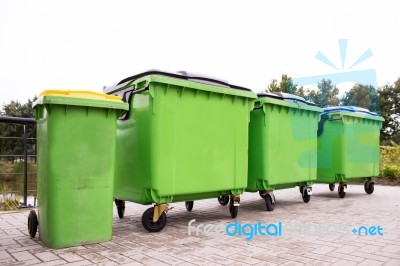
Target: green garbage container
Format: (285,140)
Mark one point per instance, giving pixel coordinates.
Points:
(76,148)
(348,147)
(282,145)
(184,139)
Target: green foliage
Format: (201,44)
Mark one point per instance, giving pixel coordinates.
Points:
(285,85)
(385,100)
(391,172)
(365,96)
(327,94)
(14,172)
(390,162)
(13,146)
(389,96)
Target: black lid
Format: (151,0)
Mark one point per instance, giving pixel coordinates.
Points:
(191,76)
(284,97)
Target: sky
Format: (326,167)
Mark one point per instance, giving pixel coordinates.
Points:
(85,45)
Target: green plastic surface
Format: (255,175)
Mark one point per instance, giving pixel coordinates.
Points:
(182,141)
(282,145)
(76,148)
(348,148)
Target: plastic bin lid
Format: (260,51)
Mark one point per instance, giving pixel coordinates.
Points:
(352,109)
(81,94)
(285,97)
(81,98)
(191,76)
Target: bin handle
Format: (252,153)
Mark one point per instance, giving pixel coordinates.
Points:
(127,97)
(321,123)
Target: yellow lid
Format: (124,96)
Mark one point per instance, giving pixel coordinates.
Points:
(81,94)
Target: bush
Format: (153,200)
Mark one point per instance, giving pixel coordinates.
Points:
(390,162)
(391,172)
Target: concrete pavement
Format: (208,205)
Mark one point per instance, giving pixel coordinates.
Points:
(326,231)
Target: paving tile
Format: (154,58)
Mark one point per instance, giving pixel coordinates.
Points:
(344,262)
(4,255)
(393,262)
(46,256)
(370,256)
(54,262)
(348,257)
(23,256)
(80,263)
(26,262)
(95,257)
(7,261)
(369,262)
(120,259)
(70,257)
(323,250)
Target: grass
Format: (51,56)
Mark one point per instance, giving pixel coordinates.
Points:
(8,201)
(11,183)
(14,172)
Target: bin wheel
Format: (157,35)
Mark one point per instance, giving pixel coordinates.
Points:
(189,205)
(149,225)
(369,187)
(306,197)
(32,223)
(269,203)
(301,190)
(120,208)
(262,194)
(332,187)
(233,210)
(341,192)
(223,200)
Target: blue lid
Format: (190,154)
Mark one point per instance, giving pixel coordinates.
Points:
(285,97)
(352,109)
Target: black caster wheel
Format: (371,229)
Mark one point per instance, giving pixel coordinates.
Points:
(120,208)
(269,202)
(261,193)
(301,190)
(233,210)
(331,187)
(32,223)
(189,205)
(223,200)
(341,192)
(370,188)
(306,197)
(149,225)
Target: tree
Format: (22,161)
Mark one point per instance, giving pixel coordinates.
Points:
(285,85)
(389,96)
(365,96)
(326,95)
(273,86)
(13,146)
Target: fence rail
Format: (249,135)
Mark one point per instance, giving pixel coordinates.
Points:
(24,122)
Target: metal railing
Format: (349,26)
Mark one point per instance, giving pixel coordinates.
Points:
(23,157)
